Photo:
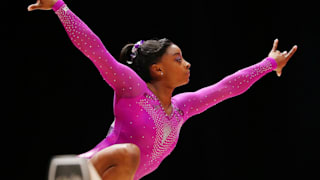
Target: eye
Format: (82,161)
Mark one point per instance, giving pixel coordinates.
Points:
(179,59)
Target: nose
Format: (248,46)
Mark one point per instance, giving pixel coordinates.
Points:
(187,64)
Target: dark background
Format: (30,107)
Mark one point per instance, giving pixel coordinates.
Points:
(55,102)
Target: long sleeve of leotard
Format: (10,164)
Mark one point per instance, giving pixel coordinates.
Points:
(120,77)
(192,103)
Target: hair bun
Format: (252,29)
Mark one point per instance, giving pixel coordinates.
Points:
(125,55)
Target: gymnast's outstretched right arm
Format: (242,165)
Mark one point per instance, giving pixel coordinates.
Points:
(193,103)
(120,77)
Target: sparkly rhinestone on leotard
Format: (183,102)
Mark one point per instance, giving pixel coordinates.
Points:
(139,116)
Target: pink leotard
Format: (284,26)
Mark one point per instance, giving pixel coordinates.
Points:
(139,116)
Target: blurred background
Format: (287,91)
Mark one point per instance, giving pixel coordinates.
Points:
(55,101)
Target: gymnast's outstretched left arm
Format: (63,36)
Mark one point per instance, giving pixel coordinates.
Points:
(124,81)
(192,103)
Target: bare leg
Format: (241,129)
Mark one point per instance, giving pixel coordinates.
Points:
(117,162)
(93,172)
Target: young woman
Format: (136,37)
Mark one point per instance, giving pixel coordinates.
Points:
(147,118)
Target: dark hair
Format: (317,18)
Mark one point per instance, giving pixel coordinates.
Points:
(150,52)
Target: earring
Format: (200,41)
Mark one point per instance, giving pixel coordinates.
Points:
(161,73)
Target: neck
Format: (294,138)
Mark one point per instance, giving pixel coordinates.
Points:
(162,92)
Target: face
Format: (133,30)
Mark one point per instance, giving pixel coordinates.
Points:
(175,69)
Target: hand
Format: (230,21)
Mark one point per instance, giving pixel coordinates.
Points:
(42,5)
(281,58)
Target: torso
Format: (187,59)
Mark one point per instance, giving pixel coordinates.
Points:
(144,122)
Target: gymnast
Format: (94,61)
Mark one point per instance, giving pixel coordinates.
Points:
(147,118)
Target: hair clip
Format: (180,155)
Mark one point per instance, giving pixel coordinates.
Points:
(134,51)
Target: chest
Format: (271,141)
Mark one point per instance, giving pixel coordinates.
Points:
(145,120)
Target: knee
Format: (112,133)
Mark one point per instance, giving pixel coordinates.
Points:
(124,158)
(131,155)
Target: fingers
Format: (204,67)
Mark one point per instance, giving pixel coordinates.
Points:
(33,7)
(284,53)
(275,45)
(292,51)
(278,73)
(282,57)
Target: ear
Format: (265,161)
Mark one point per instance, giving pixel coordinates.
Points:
(155,71)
